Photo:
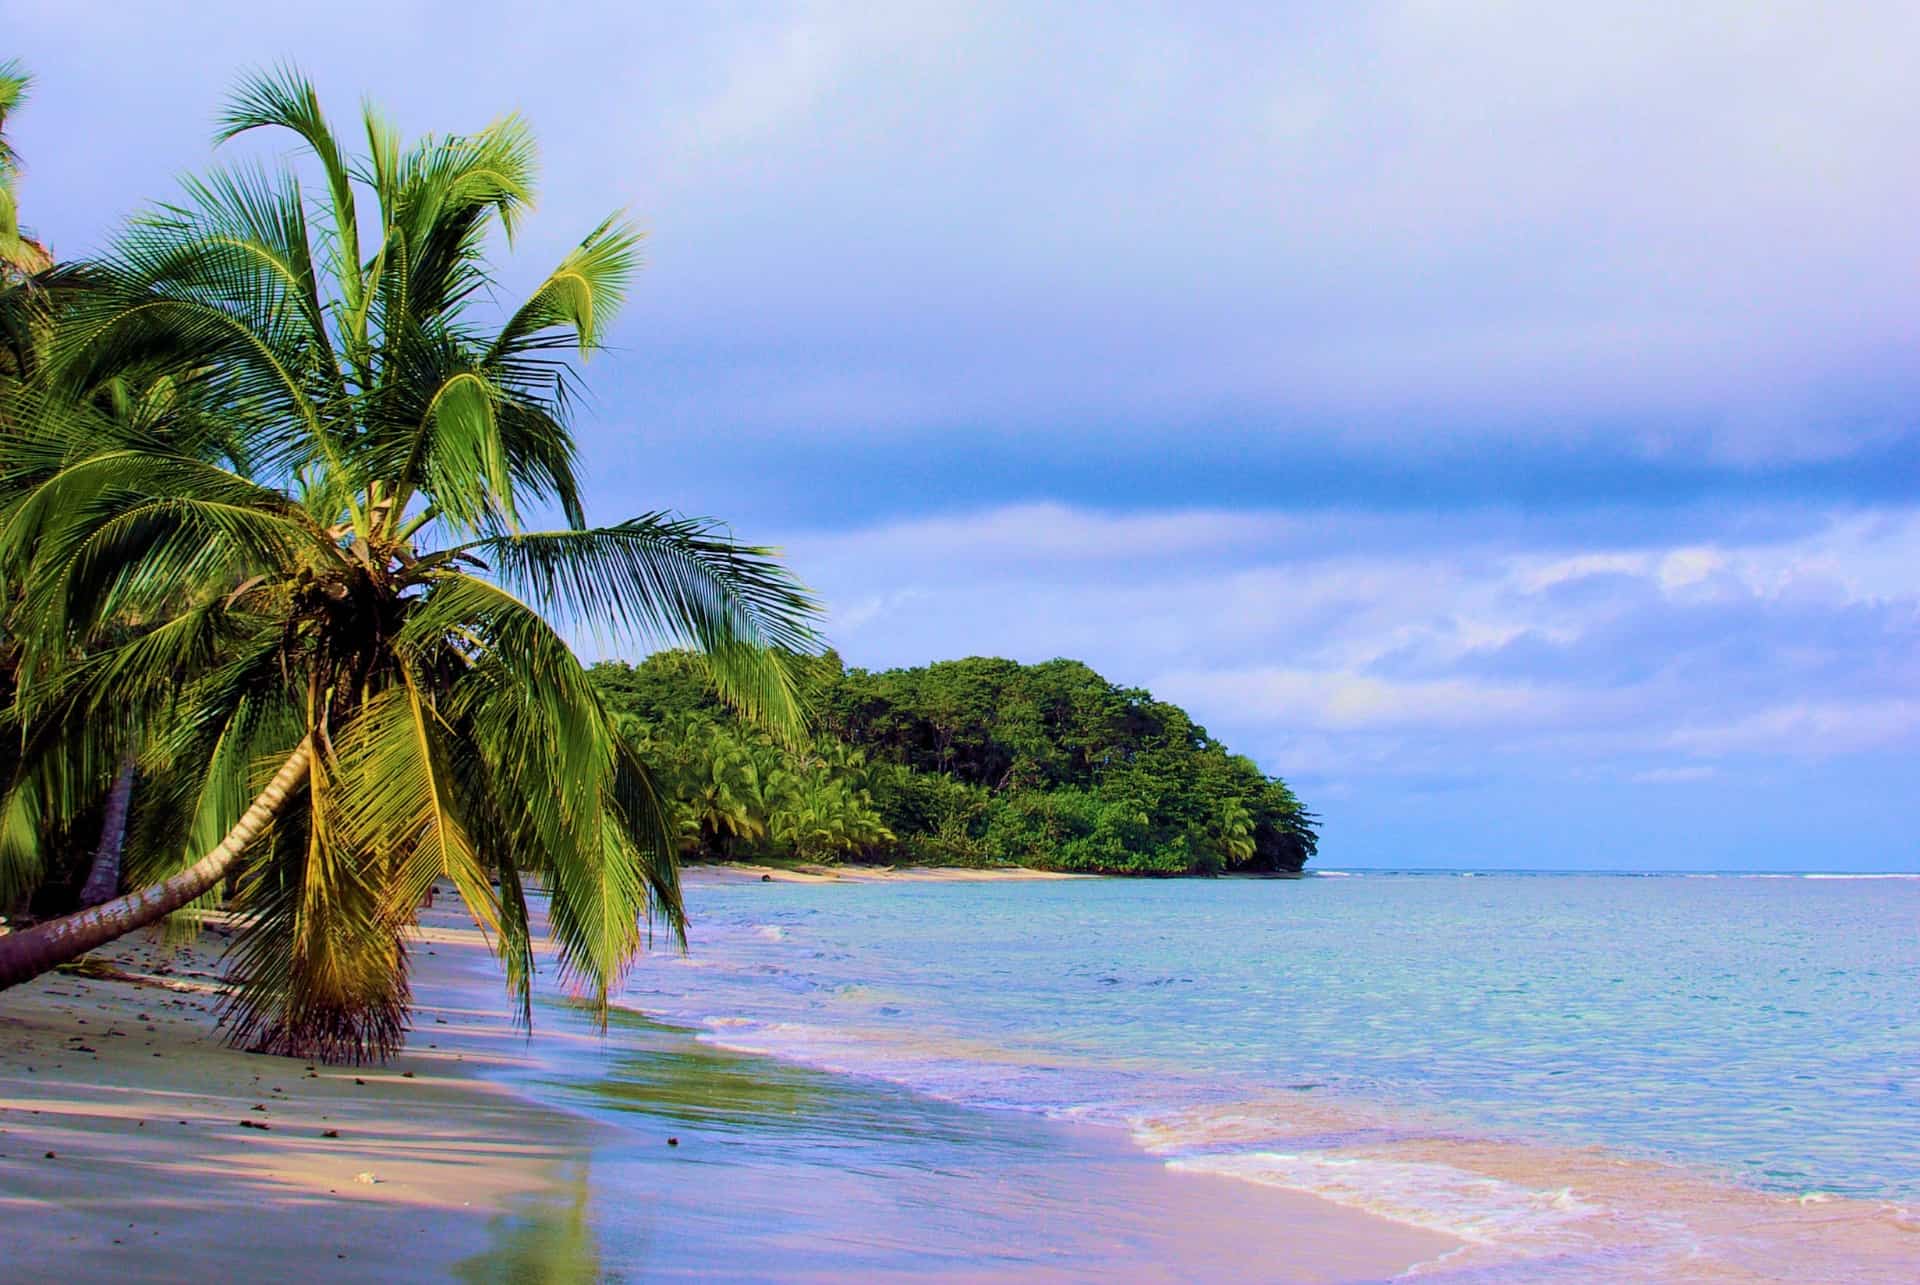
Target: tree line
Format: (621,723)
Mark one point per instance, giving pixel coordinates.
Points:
(967,762)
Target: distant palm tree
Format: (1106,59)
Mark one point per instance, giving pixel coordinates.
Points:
(340,649)
(723,795)
(1230,841)
(821,815)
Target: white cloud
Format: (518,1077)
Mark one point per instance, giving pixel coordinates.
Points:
(1685,567)
(1564,570)
(1048,535)
(1391,206)
(862,613)
(1318,700)
(1691,774)
(1472,218)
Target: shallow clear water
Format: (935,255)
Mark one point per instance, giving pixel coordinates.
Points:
(782,1172)
(1766,1028)
(1650,1075)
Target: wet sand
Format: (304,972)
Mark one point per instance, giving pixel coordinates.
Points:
(780,1172)
(743,871)
(1528,1211)
(480,1155)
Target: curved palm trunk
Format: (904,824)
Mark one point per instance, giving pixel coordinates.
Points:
(103,880)
(25,955)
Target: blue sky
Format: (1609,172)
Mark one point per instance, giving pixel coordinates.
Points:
(1500,419)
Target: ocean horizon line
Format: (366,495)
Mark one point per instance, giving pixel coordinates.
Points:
(1540,872)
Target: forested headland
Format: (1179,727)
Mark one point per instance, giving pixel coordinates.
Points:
(972,762)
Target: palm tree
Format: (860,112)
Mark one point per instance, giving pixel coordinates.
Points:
(1230,842)
(23,333)
(723,796)
(20,254)
(93,773)
(820,812)
(336,639)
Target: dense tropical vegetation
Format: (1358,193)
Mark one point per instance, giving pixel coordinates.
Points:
(968,762)
(266,529)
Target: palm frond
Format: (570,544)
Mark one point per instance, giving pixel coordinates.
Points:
(23,832)
(131,534)
(396,800)
(15,84)
(284,99)
(658,581)
(446,194)
(514,661)
(567,797)
(457,455)
(318,969)
(579,297)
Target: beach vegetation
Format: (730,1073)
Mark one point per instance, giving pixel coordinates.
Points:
(968,762)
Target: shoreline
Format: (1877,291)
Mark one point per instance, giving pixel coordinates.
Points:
(748,871)
(807,1174)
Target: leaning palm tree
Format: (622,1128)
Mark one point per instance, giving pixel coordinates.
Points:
(337,650)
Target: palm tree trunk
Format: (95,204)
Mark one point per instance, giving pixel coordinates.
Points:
(103,880)
(25,955)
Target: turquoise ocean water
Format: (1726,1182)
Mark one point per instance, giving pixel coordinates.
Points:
(1473,1054)
(1764,1027)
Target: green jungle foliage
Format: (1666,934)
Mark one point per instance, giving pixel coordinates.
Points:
(964,762)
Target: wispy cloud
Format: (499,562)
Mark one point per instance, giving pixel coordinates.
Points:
(1323,700)
(1396,646)
(1691,774)
(1808,729)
